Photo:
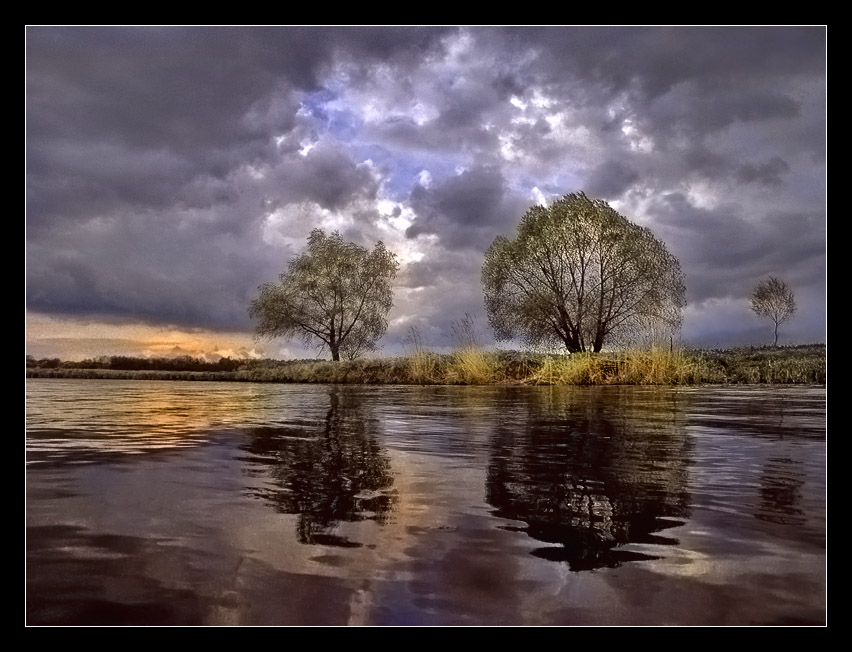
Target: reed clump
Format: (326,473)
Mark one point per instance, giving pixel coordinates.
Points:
(472,366)
(424,368)
(663,367)
(574,369)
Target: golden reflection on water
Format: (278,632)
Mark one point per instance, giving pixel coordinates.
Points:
(137,416)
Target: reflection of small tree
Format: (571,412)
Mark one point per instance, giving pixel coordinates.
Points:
(781,482)
(774,299)
(330,472)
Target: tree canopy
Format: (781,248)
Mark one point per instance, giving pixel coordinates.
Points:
(336,295)
(580,275)
(774,299)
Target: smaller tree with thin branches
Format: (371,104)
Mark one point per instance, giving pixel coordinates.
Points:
(336,294)
(774,299)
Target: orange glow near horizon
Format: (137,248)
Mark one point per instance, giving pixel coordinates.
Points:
(69,339)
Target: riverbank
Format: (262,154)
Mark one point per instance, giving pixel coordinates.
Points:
(786,365)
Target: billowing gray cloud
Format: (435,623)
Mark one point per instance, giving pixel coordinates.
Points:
(768,172)
(170,170)
(610,179)
(465,211)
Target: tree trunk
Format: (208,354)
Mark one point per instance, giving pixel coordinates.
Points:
(572,340)
(775,343)
(333,342)
(572,345)
(599,340)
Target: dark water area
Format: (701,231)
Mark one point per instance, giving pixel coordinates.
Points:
(183,503)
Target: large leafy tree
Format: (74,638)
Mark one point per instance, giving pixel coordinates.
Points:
(580,275)
(335,295)
(774,299)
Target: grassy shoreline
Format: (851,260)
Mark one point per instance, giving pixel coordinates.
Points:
(471,366)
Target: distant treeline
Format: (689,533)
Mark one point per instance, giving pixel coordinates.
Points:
(804,364)
(126,363)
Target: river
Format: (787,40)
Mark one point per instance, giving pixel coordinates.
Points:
(202,503)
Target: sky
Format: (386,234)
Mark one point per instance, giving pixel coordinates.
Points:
(170,171)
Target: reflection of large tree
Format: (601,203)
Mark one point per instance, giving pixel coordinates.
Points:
(591,472)
(326,472)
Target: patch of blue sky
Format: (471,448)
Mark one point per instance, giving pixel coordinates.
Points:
(338,121)
(405,169)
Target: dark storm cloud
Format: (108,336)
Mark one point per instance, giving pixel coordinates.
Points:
(186,90)
(682,84)
(769,172)
(325,175)
(444,292)
(137,140)
(172,170)
(465,211)
(696,111)
(142,269)
(133,115)
(718,239)
(653,60)
(727,251)
(610,179)
(462,106)
(184,87)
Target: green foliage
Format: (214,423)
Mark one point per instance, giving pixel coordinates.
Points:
(336,295)
(774,299)
(580,275)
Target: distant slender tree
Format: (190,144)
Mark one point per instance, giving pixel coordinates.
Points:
(774,299)
(336,294)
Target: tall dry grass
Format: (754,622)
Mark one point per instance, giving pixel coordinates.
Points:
(473,366)
(470,364)
(638,367)
(662,367)
(422,367)
(572,369)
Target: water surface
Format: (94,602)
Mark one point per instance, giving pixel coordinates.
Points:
(224,503)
